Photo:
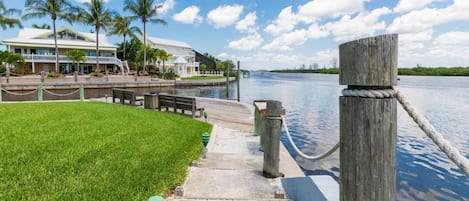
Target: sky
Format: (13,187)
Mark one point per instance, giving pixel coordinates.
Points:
(280,34)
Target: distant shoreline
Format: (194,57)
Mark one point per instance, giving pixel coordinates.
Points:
(419,71)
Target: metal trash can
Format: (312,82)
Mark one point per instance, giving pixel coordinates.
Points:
(151,100)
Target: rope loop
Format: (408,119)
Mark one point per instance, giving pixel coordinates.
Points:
(61,95)
(19,94)
(297,150)
(369,93)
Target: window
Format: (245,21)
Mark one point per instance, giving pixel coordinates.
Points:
(17,50)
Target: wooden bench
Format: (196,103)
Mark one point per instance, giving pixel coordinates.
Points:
(123,95)
(178,102)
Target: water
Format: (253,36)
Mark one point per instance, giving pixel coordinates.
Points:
(312,103)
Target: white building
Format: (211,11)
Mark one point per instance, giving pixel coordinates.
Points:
(182,58)
(38,49)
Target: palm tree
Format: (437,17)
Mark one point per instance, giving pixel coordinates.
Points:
(60,9)
(99,17)
(163,55)
(121,27)
(145,11)
(8,22)
(43,26)
(76,56)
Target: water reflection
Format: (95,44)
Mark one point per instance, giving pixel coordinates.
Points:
(311,100)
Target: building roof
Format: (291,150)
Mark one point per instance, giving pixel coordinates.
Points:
(166,42)
(38,38)
(180,60)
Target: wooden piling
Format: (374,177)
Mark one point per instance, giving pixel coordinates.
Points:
(368,125)
(273,126)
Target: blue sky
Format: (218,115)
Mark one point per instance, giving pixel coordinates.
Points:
(279,34)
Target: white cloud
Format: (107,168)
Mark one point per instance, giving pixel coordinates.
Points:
(224,16)
(418,20)
(324,57)
(189,15)
(166,6)
(315,31)
(248,24)
(313,10)
(285,22)
(457,38)
(265,60)
(364,24)
(247,43)
(408,5)
(283,42)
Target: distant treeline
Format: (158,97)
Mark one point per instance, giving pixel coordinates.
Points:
(323,71)
(420,71)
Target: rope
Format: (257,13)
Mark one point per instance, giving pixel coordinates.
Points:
(62,95)
(318,157)
(444,145)
(364,93)
(18,94)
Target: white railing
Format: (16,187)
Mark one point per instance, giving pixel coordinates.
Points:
(65,59)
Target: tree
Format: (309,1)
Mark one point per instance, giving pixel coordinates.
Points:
(76,56)
(43,26)
(121,27)
(164,56)
(96,15)
(145,11)
(10,58)
(8,22)
(132,48)
(60,9)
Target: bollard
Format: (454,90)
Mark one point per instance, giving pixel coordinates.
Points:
(205,115)
(273,126)
(227,81)
(7,74)
(135,76)
(368,126)
(105,97)
(82,92)
(205,140)
(39,93)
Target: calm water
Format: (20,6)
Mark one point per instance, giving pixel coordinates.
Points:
(312,103)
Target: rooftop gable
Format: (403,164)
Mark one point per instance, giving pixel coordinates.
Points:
(167,42)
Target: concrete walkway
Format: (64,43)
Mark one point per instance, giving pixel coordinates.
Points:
(232,169)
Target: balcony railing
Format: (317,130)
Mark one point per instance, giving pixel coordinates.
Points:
(65,59)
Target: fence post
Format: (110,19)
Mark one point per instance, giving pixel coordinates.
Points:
(107,75)
(227,81)
(39,93)
(1,93)
(82,92)
(75,76)
(368,125)
(7,74)
(273,126)
(238,80)
(42,76)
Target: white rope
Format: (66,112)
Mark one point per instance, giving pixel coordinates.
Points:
(62,95)
(367,93)
(445,146)
(18,94)
(318,157)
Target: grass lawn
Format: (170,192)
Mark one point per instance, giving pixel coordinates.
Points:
(93,151)
(203,78)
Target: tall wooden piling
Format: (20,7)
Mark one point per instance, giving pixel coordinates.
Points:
(273,126)
(368,125)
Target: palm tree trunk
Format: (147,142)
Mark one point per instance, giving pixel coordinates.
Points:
(97,49)
(56,49)
(124,49)
(144,45)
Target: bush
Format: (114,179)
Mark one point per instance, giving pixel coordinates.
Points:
(3,69)
(143,73)
(95,74)
(55,75)
(170,75)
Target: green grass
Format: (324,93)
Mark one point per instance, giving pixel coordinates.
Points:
(203,78)
(93,151)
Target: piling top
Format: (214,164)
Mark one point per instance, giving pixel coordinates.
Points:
(369,61)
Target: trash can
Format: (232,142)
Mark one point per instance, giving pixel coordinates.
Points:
(151,100)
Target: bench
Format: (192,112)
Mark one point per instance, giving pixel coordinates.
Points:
(178,102)
(123,95)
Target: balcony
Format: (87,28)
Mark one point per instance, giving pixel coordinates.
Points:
(65,59)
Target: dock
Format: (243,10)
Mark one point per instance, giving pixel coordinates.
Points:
(232,169)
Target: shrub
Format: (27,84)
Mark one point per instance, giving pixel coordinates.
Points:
(55,75)
(96,74)
(3,69)
(143,73)
(170,75)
